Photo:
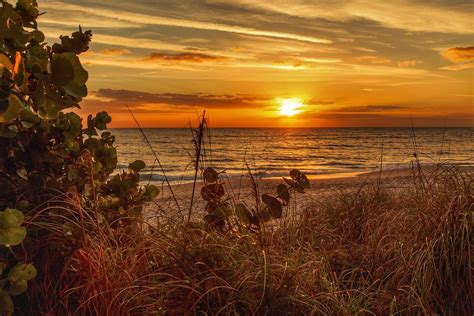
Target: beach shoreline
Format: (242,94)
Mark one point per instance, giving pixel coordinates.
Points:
(322,186)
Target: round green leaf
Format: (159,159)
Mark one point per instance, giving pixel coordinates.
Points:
(273,204)
(212,192)
(6,303)
(210,175)
(137,165)
(151,192)
(222,211)
(18,287)
(243,213)
(36,36)
(11,233)
(283,193)
(62,70)
(13,110)
(101,120)
(300,178)
(22,272)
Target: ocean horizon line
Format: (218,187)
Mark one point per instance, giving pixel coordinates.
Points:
(302,127)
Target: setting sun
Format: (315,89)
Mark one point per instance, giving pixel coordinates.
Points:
(290,106)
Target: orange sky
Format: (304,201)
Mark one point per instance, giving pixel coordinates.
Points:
(351,63)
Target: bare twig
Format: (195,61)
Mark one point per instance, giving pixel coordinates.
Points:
(156,157)
(197,144)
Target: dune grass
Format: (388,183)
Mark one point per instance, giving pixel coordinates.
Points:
(366,250)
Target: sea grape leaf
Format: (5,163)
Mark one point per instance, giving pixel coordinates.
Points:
(283,193)
(22,272)
(210,175)
(62,70)
(289,181)
(29,117)
(212,192)
(67,72)
(11,27)
(109,201)
(13,109)
(137,165)
(108,138)
(300,178)
(151,192)
(96,165)
(36,36)
(222,211)
(76,90)
(243,213)
(11,233)
(265,213)
(6,303)
(29,10)
(77,87)
(274,206)
(77,43)
(212,219)
(22,173)
(9,131)
(38,59)
(18,287)
(101,120)
(5,62)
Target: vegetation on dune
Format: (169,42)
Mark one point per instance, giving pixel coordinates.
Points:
(45,150)
(73,242)
(373,250)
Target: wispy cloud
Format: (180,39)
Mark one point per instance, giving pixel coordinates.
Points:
(179,99)
(182,23)
(369,108)
(430,17)
(408,63)
(114,51)
(371,59)
(459,54)
(183,57)
(459,67)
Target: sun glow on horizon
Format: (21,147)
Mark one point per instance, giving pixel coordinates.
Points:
(290,106)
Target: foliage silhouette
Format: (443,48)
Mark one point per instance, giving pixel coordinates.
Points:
(44,147)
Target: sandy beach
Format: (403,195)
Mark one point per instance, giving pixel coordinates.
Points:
(322,186)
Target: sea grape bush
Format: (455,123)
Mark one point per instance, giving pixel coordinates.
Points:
(219,209)
(16,281)
(44,146)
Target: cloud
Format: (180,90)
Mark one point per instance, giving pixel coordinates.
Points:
(369,108)
(430,16)
(114,52)
(391,120)
(459,54)
(459,67)
(182,57)
(376,60)
(146,19)
(180,99)
(408,63)
(318,102)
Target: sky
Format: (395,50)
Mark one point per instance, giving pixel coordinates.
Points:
(339,63)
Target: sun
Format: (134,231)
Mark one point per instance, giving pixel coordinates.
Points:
(290,106)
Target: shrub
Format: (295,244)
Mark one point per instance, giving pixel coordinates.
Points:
(44,146)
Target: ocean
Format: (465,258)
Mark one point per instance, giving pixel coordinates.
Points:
(272,152)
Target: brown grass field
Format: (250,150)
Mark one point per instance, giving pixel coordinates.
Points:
(386,244)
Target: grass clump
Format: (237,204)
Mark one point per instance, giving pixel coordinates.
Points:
(369,250)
